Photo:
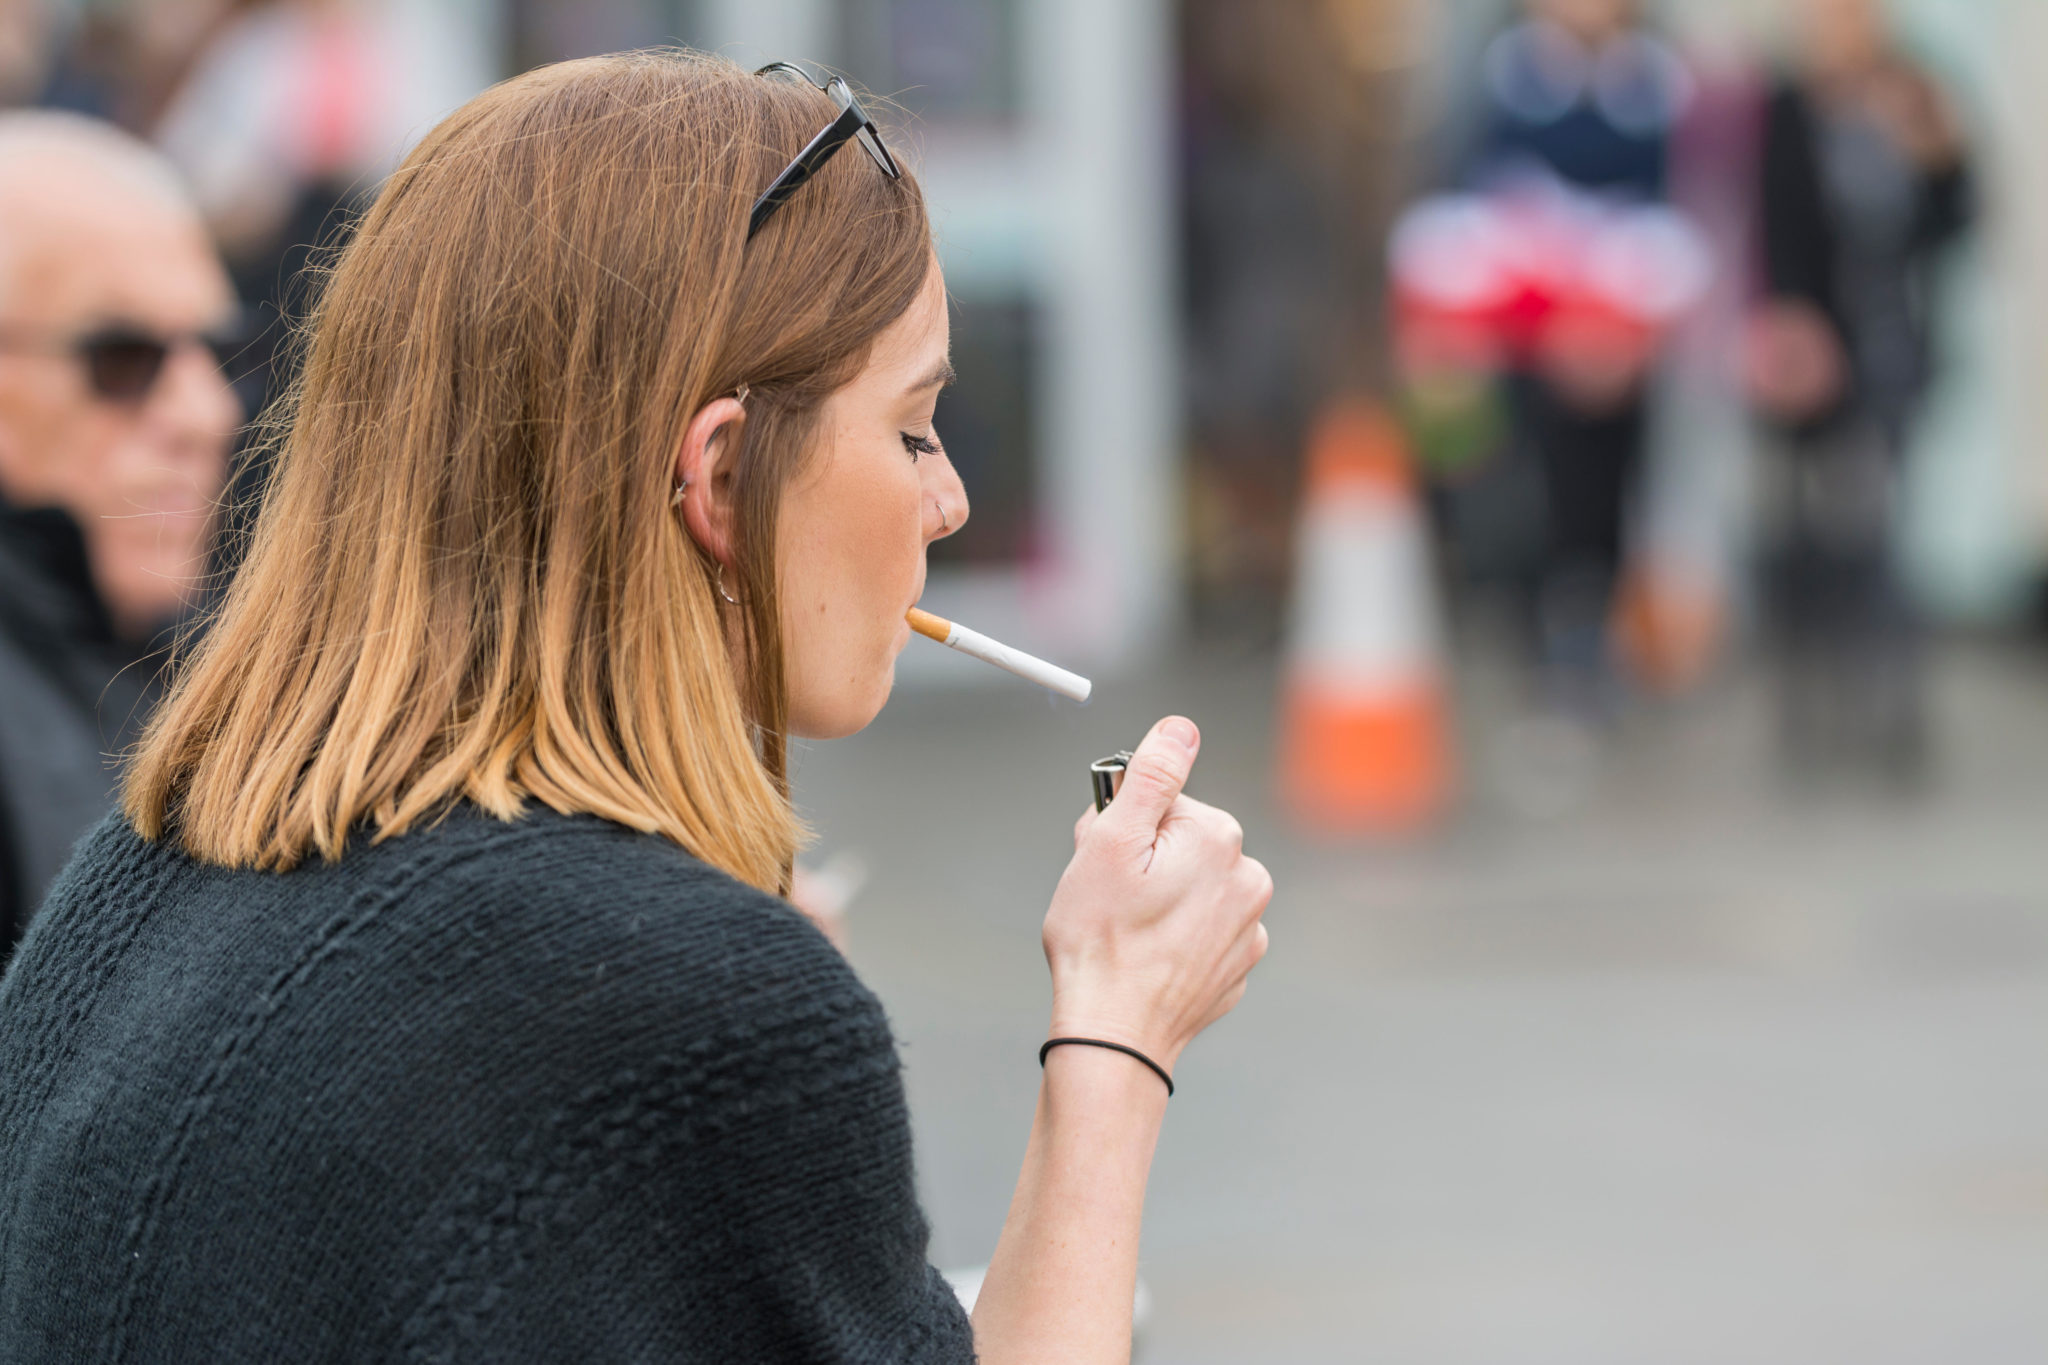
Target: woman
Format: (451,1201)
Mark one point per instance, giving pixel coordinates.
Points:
(1863,182)
(431,997)
(1584,99)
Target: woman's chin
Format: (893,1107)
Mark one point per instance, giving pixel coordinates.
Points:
(845,714)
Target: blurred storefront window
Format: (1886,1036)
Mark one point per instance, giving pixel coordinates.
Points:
(946,60)
(990,425)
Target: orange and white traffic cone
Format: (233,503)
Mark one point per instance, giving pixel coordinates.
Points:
(1365,729)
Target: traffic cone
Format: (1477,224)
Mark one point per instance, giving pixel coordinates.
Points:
(1365,727)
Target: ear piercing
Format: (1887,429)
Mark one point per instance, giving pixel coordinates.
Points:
(721,587)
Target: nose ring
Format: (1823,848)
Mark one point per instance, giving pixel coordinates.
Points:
(945,526)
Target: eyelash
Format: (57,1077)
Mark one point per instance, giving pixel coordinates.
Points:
(920,445)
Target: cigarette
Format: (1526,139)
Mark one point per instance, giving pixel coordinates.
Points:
(976,645)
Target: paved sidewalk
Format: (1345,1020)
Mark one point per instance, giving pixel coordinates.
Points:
(1699,1070)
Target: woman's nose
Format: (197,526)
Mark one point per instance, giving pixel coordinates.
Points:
(945,495)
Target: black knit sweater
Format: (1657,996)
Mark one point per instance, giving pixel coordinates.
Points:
(541,1091)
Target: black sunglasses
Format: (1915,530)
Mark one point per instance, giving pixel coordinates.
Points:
(123,362)
(853,122)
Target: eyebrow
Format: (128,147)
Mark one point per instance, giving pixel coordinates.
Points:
(941,375)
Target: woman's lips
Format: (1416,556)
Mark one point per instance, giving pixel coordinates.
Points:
(903,619)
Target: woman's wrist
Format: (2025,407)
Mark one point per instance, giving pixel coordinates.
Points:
(1131,1052)
(1112,1026)
(1099,1077)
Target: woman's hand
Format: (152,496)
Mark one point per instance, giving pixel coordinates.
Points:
(1150,936)
(1155,924)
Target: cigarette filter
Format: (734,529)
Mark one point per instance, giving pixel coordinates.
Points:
(979,646)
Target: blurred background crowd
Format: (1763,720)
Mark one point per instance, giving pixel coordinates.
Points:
(1581,460)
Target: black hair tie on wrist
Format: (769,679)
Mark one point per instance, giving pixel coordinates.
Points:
(1157,1069)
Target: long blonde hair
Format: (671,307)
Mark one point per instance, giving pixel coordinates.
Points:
(466,581)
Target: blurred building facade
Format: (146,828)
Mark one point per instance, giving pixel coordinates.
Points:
(1164,223)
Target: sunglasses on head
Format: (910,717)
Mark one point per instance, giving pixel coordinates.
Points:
(852,124)
(123,361)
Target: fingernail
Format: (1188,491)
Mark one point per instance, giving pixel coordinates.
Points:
(1181,731)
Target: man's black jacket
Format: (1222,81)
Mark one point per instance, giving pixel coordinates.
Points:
(72,694)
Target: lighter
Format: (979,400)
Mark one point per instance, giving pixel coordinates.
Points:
(1108,774)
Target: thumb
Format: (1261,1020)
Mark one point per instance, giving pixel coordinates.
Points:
(1153,778)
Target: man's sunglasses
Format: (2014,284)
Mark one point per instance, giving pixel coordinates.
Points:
(124,362)
(853,122)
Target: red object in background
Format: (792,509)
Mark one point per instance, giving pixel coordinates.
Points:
(340,80)
(1542,277)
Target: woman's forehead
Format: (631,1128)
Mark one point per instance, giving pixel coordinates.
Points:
(914,346)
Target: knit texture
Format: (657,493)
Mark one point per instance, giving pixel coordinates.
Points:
(547,1090)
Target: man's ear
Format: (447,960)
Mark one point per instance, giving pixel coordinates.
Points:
(704,464)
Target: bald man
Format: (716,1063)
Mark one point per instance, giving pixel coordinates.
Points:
(115,425)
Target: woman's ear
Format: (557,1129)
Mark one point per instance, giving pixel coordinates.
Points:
(704,469)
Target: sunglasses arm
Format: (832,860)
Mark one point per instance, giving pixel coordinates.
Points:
(816,153)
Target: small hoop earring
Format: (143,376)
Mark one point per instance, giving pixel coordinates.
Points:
(676,499)
(721,587)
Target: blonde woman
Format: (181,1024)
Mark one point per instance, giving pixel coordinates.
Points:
(433,996)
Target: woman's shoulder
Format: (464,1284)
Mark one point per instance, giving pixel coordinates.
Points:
(559,910)
(579,894)
(573,936)
(617,970)
(538,863)
(561,950)
(543,857)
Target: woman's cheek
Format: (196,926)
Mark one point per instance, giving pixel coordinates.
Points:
(909,531)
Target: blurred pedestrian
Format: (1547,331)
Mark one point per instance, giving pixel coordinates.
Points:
(115,423)
(1582,99)
(433,993)
(1865,176)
